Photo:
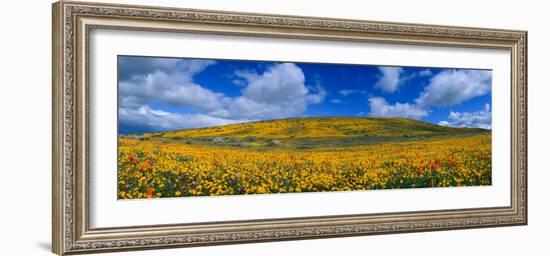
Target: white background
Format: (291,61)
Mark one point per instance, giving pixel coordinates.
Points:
(26,115)
(107,211)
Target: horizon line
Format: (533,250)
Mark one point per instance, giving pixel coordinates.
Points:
(304,117)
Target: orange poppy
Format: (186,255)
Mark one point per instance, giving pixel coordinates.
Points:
(145,165)
(150,192)
(132,159)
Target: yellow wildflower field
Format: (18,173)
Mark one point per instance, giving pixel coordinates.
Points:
(154,166)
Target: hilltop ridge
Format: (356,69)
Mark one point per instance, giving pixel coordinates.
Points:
(311,132)
(314,127)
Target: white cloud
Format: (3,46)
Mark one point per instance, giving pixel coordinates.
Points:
(337,101)
(277,93)
(242,107)
(379,107)
(479,119)
(346,92)
(447,88)
(390,79)
(146,117)
(317,97)
(280,83)
(130,67)
(174,87)
(444,123)
(425,72)
(452,87)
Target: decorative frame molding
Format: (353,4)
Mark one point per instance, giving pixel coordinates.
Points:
(72,23)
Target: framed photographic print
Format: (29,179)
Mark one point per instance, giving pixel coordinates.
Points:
(178,127)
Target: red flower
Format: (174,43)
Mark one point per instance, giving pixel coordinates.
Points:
(132,159)
(436,165)
(150,192)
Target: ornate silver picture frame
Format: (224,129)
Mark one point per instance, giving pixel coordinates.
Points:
(74,21)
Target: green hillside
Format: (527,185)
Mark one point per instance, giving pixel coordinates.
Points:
(312,132)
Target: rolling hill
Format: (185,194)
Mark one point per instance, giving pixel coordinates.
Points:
(311,132)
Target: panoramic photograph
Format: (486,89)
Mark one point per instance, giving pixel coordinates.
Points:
(211,127)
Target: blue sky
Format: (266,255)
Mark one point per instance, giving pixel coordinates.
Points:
(161,94)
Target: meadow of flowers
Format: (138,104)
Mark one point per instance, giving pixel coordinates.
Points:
(160,168)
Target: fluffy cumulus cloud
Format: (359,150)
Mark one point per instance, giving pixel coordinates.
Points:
(479,119)
(379,107)
(444,89)
(130,67)
(390,79)
(168,82)
(280,83)
(278,92)
(452,87)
